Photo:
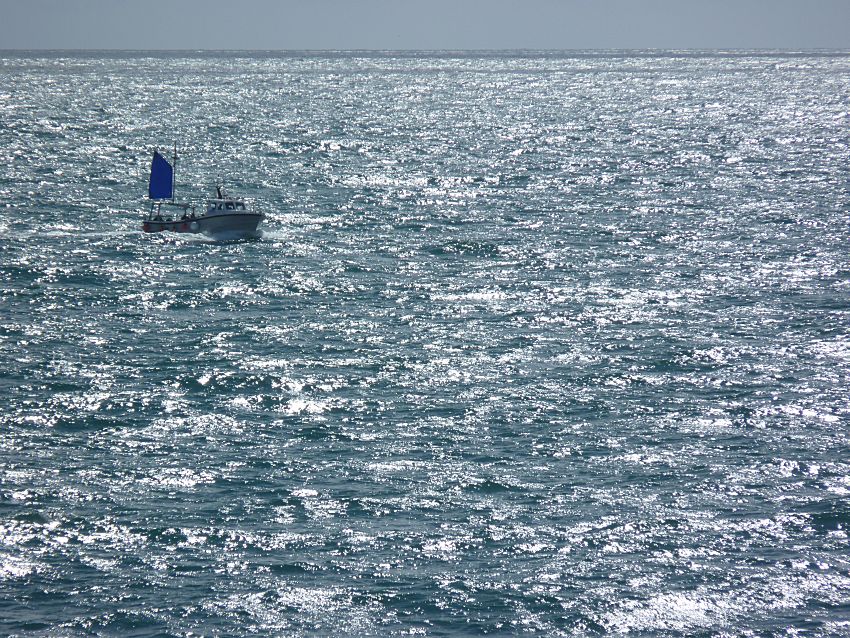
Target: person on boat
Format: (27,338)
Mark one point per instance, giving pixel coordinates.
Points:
(218,192)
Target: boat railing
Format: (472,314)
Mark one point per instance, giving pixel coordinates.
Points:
(156,213)
(232,205)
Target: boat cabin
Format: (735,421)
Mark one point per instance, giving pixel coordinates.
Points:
(223,203)
(226,205)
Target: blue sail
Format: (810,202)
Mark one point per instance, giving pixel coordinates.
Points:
(162,178)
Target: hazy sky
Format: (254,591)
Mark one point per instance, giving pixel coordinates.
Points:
(424,24)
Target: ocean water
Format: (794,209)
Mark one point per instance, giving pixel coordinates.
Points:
(533,344)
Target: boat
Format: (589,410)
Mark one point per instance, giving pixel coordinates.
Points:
(222,217)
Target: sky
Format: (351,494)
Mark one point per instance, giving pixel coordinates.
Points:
(425,24)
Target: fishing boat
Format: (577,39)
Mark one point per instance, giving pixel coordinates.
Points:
(222,216)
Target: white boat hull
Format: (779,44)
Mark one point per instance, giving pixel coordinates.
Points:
(219,225)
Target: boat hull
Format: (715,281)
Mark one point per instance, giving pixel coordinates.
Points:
(220,226)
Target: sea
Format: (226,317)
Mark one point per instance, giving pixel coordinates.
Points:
(533,343)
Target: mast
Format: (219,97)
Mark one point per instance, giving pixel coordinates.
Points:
(174,172)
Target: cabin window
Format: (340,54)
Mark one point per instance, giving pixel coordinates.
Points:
(228,206)
(241,206)
(219,207)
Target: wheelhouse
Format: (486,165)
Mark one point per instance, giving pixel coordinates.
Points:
(222,205)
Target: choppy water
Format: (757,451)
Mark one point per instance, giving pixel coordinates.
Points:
(533,344)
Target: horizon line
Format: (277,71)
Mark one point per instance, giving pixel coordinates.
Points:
(731,50)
